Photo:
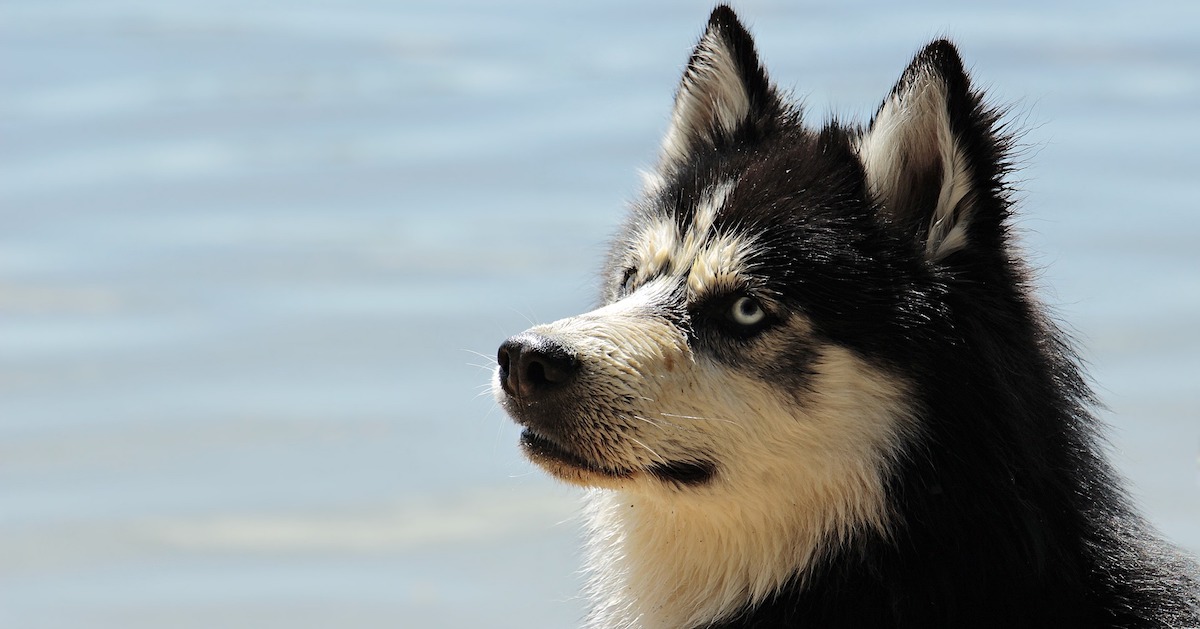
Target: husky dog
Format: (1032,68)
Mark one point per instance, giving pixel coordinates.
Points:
(818,391)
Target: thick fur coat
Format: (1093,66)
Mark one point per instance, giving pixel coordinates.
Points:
(819,392)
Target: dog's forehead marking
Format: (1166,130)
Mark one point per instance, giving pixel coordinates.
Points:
(718,265)
(708,260)
(655,249)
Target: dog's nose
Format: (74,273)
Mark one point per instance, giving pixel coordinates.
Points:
(532,364)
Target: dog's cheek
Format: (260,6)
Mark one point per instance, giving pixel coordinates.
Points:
(633,365)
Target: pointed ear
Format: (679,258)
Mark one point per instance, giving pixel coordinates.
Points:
(934,158)
(724,91)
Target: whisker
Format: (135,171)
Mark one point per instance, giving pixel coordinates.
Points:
(647,420)
(697,417)
(487,368)
(658,424)
(528,318)
(487,357)
(650,450)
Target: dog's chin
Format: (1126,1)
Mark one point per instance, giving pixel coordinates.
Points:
(572,468)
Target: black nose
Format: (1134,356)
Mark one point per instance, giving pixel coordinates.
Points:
(532,364)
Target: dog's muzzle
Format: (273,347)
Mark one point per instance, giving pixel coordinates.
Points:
(541,380)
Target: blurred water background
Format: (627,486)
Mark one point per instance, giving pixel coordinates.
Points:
(256,256)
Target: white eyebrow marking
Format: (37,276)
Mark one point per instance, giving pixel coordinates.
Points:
(661,248)
(719,265)
(655,250)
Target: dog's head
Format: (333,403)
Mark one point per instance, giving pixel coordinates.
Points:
(766,301)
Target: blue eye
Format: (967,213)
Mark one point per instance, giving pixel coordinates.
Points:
(747,311)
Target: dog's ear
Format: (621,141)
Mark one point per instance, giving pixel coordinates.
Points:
(934,156)
(724,95)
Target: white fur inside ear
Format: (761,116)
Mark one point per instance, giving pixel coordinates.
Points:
(909,137)
(711,97)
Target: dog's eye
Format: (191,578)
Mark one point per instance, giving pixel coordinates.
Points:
(747,311)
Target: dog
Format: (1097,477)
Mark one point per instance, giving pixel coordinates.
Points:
(818,390)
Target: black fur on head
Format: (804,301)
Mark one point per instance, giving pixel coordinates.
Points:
(893,240)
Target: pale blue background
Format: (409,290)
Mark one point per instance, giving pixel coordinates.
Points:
(248,250)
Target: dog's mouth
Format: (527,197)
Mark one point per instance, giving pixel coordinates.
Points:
(558,459)
(572,467)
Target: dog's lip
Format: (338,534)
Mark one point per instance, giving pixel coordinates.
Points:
(539,447)
(545,450)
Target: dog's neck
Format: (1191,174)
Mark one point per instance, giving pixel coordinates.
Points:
(661,561)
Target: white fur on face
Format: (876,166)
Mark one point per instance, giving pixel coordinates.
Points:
(795,474)
(795,470)
(629,359)
(911,134)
